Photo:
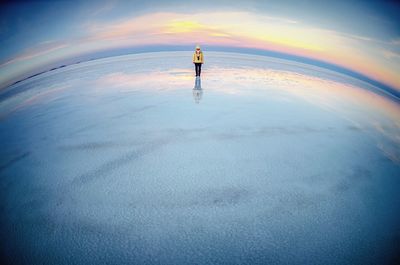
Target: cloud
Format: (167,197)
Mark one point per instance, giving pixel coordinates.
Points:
(109,5)
(42,49)
(282,20)
(395,42)
(226,28)
(179,27)
(391,55)
(162,25)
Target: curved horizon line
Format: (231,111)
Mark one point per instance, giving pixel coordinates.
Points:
(169,48)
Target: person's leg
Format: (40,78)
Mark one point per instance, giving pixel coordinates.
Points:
(195,68)
(199,69)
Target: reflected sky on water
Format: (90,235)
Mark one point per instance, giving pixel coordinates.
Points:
(261,161)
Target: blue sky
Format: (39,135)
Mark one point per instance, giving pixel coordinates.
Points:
(362,36)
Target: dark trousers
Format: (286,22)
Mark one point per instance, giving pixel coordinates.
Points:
(197,67)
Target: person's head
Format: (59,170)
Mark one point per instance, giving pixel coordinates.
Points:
(197,48)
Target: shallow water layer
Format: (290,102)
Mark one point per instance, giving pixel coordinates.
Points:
(261,161)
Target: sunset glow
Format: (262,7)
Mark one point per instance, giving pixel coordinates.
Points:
(372,56)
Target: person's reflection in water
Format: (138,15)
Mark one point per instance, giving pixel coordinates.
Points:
(197,91)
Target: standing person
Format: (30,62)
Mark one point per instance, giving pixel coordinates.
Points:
(198,60)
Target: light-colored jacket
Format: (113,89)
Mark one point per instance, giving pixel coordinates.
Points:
(198,58)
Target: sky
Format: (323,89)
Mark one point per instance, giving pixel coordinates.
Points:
(361,36)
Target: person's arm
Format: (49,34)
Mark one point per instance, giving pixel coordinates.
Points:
(202,57)
(194,57)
